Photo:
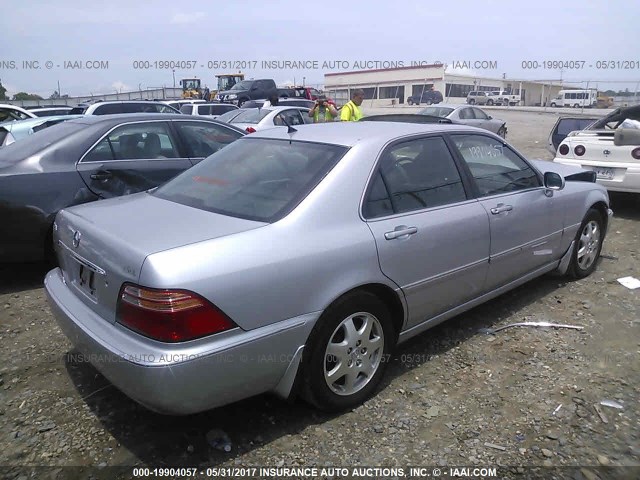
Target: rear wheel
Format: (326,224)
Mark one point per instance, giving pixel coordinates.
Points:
(588,245)
(347,352)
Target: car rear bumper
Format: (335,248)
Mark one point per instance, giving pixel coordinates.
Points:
(625,178)
(179,378)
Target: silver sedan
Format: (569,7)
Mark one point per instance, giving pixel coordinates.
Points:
(293,261)
(467,115)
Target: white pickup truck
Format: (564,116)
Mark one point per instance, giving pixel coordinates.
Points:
(502,98)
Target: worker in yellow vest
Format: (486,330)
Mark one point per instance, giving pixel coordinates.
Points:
(351,111)
(323,111)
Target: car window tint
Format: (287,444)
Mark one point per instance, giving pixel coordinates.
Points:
(568,125)
(133,142)
(465,114)
(378,202)
(255,179)
(479,114)
(186,109)
(417,174)
(220,109)
(203,138)
(291,117)
(494,166)
(253,115)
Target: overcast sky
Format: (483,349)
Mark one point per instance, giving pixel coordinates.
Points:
(122,32)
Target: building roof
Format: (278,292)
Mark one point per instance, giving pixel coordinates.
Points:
(417,67)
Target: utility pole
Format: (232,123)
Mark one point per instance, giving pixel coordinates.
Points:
(174,78)
(59,92)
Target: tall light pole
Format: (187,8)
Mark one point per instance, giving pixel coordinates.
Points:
(174,78)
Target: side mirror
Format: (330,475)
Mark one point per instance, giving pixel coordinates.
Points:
(553,181)
(489,117)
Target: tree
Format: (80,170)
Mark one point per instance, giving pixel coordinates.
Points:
(3,92)
(27,96)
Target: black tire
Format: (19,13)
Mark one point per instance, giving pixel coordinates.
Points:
(429,102)
(553,105)
(576,105)
(241,102)
(490,103)
(410,102)
(578,268)
(472,102)
(502,132)
(316,389)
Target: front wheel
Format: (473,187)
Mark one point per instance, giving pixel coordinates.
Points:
(429,102)
(490,102)
(348,352)
(588,245)
(472,102)
(553,105)
(502,132)
(576,105)
(410,102)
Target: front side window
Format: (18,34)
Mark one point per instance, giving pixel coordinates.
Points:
(204,138)
(412,176)
(255,179)
(494,166)
(479,114)
(134,142)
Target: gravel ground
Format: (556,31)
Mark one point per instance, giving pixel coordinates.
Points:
(453,396)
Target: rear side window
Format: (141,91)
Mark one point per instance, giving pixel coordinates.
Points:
(134,142)
(203,138)
(255,179)
(251,115)
(412,176)
(187,109)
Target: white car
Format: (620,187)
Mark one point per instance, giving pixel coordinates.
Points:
(11,113)
(212,110)
(254,119)
(609,149)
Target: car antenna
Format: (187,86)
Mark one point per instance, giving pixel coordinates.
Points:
(290,129)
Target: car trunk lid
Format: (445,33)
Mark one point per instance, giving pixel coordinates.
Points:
(104,244)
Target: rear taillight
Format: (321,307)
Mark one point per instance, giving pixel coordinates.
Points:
(635,153)
(250,129)
(169,315)
(564,149)
(579,150)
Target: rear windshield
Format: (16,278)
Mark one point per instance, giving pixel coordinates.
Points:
(226,117)
(436,111)
(251,116)
(38,141)
(254,179)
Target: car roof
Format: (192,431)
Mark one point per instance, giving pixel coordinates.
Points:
(351,133)
(448,105)
(123,117)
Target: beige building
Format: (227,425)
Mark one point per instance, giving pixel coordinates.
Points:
(394,86)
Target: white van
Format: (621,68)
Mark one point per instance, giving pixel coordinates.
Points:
(575,98)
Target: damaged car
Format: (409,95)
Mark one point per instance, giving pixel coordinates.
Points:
(91,158)
(294,260)
(610,147)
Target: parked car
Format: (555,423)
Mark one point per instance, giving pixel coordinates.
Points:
(563,127)
(499,97)
(609,149)
(12,132)
(179,103)
(296,261)
(124,106)
(210,109)
(428,96)
(50,111)
(91,158)
(253,90)
(477,98)
(254,119)
(11,113)
(466,115)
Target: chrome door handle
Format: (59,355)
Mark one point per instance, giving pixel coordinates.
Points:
(501,208)
(401,231)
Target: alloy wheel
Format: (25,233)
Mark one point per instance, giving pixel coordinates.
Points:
(354,353)
(588,246)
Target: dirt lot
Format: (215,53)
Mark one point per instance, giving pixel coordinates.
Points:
(453,396)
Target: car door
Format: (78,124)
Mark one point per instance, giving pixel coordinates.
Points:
(563,127)
(432,239)
(525,218)
(465,116)
(201,139)
(132,158)
(481,119)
